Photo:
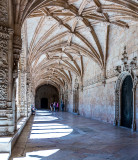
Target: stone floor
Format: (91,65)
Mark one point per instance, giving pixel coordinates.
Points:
(64,136)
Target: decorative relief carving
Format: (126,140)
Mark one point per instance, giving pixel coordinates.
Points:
(76,85)
(126,66)
(100,77)
(3,76)
(117,95)
(17,44)
(3,96)
(124,70)
(4,40)
(4,37)
(115,71)
(135,81)
(3,12)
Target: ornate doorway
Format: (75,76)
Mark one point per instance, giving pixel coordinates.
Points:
(127,102)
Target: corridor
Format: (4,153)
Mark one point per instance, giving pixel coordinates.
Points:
(64,136)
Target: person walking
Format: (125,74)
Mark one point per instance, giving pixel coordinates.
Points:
(51,107)
(57,107)
(54,106)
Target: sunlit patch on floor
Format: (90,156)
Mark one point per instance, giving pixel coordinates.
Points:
(45,118)
(42,111)
(52,130)
(44,114)
(37,155)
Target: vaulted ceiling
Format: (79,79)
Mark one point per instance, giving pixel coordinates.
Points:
(62,32)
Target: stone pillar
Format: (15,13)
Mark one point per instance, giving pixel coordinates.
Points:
(134,110)
(6,57)
(23,106)
(16,55)
(28,97)
(23,74)
(19,92)
(134,103)
(14,106)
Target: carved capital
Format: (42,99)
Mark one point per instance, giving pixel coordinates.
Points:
(17,45)
(118,69)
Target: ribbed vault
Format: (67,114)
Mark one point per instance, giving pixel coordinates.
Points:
(61,32)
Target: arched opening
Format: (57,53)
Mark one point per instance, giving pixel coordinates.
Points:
(127,102)
(45,95)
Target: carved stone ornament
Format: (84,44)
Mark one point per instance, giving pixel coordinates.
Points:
(3,76)
(125,65)
(4,41)
(119,82)
(76,85)
(124,70)
(4,12)
(135,81)
(17,44)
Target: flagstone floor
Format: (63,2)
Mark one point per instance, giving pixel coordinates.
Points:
(64,136)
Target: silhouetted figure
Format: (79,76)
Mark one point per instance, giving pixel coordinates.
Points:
(57,107)
(33,110)
(54,106)
(62,106)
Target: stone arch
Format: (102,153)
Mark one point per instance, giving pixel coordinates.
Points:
(118,88)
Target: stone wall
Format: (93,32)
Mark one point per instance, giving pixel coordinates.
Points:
(46,91)
(137,108)
(97,100)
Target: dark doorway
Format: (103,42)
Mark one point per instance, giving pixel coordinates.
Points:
(127,102)
(44,103)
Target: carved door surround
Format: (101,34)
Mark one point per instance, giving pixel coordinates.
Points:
(125,70)
(76,97)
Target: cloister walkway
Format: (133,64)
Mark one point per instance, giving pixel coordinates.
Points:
(64,136)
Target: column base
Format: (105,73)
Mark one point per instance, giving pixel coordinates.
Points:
(115,122)
(134,126)
(6,130)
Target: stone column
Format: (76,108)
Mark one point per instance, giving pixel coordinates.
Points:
(23,93)
(28,97)
(134,111)
(19,92)
(134,104)
(16,55)
(14,106)
(6,114)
